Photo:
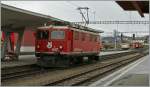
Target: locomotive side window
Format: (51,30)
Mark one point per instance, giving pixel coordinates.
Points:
(42,34)
(76,35)
(91,37)
(98,38)
(95,38)
(57,34)
(83,36)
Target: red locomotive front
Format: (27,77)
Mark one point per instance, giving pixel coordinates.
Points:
(52,41)
(63,45)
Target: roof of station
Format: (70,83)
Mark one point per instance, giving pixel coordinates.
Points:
(140,6)
(18,18)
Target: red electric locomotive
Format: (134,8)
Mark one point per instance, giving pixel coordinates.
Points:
(60,46)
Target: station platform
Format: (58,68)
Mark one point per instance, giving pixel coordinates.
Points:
(23,60)
(132,75)
(113,52)
(31,59)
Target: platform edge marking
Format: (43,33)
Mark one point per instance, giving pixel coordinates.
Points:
(120,71)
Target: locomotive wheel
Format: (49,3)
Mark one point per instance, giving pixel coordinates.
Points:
(79,60)
(75,60)
(90,59)
(93,58)
(96,58)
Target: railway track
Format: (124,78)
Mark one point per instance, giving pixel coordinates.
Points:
(64,76)
(20,71)
(86,76)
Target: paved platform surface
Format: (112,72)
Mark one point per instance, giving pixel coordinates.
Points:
(31,59)
(112,52)
(133,75)
(23,60)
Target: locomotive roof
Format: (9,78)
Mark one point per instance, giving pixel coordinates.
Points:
(86,28)
(79,27)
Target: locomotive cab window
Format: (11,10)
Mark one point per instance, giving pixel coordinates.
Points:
(57,34)
(42,34)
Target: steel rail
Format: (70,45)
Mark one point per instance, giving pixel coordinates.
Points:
(81,77)
(72,68)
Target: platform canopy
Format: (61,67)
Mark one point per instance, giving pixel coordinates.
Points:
(140,6)
(18,17)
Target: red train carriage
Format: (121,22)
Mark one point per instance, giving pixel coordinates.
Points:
(65,45)
(136,44)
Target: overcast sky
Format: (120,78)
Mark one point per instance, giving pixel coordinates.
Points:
(67,10)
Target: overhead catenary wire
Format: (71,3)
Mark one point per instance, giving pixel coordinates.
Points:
(76,6)
(129,22)
(115,22)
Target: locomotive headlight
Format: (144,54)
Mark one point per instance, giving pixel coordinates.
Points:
(38,46)
(60,47)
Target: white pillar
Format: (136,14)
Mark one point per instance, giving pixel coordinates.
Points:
(4,46)
(18,44)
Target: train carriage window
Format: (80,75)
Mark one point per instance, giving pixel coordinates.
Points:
(57,34)
(76,35)
(42,34)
